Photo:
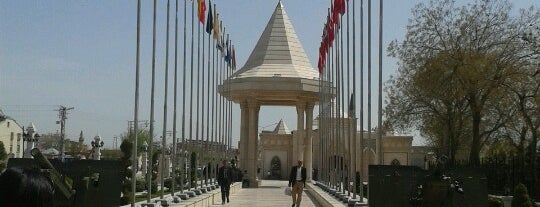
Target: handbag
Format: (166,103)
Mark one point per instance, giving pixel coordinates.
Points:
(288,191)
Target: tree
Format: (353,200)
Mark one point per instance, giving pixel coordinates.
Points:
(142,136)
(521,197)
(453,65)
(126,148)
(3,157)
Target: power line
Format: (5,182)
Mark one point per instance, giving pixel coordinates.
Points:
(62,115)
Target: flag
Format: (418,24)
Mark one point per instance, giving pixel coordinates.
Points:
(339,7)
(201,10)
(352,106)
(233,59)
(209,20)
(331,33)
(219,46)
(222,47)
(228,54)
(216,24)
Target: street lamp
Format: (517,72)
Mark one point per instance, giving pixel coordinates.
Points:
(31,137)
(97,144)
(144,149)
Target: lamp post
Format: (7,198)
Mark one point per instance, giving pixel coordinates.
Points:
(144,166)
(30,137)
(97,144)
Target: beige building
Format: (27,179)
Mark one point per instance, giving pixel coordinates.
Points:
(277,149)
(11,136)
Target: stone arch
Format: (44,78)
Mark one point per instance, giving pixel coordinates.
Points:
(275,168)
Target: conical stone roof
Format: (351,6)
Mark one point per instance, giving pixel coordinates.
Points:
(277,72)
(281,128)
(278,52)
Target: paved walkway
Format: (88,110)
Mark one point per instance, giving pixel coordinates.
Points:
(269,194)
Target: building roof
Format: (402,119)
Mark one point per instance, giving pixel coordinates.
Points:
(278,52)
(281,128)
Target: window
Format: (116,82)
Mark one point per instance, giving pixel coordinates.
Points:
(11,143)
(18,143)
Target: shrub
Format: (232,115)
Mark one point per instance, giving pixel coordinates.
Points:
(495,202)
(521,197)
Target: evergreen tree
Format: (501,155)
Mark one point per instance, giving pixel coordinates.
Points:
(521,197)
(3,157)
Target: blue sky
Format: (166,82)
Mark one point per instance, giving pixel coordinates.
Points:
(82,54)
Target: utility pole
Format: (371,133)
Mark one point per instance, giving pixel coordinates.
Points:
(62,115)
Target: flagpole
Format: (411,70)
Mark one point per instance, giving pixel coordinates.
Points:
(369,90)
(197,104)
(151,144)
(208,157)
(362,100)
(136,110)
(203,157)
(191,91)
(380,126)
(355,140)
(213,103)
(342,106)
(174,146)
(183,153)
(351,147)
(164,136)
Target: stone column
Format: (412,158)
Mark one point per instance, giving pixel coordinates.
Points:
(244,130)
(308,152)
(300,108)
(252,141)
(257,109)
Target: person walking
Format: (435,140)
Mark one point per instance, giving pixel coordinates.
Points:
(224,181)
(297,180)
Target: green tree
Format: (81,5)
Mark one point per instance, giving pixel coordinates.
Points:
(3,156)
(521,197)
(454,63)
(142,136)
(126,148)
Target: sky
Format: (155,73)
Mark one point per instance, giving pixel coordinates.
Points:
(81,54)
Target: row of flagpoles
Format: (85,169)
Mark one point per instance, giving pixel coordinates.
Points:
(210,131)
(342,151)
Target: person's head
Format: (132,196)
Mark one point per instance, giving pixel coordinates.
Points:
(25,187)
(299,162)
(224,162)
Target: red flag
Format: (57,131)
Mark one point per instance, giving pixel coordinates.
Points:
(201,10)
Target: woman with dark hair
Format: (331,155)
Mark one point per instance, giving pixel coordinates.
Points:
(25,187)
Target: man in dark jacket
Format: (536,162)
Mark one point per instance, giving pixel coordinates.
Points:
(225,177)
(297,179)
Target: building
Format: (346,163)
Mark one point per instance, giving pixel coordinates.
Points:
(11,135)
(277,150)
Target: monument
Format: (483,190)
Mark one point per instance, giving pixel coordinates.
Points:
(277,73)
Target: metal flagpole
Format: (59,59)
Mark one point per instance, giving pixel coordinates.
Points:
(355,140)
(151,144)
(362,101)
(369,91)
(207,143)
(164,136)
(174,146)
(203,140)
(198,144)
(380,126)
(136,110)
(191,91)
(342,108)
(183,155)
(213,129)
(351,113)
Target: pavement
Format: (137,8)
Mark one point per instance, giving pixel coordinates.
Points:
(270,193)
